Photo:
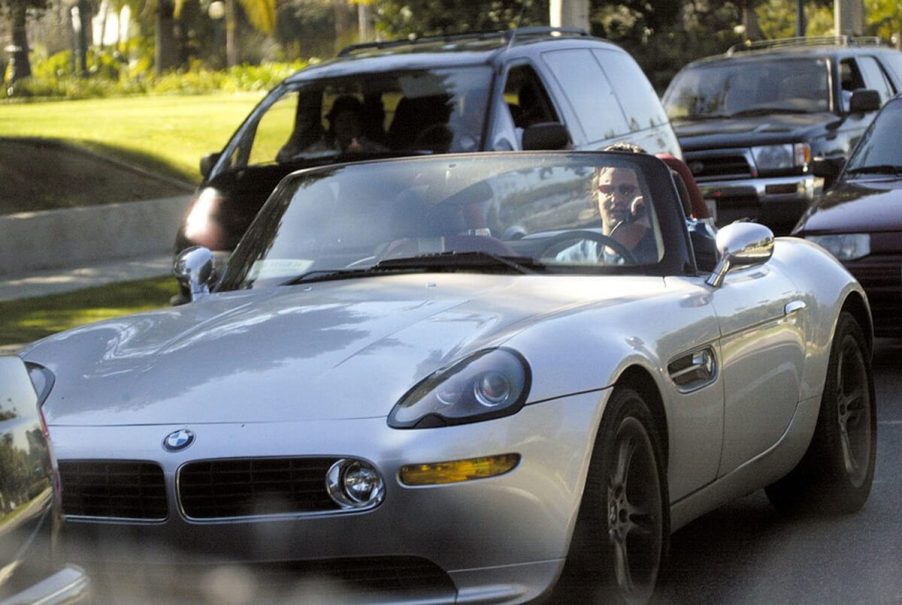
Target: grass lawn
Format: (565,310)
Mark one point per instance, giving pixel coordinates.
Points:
(166,134)
(33,318)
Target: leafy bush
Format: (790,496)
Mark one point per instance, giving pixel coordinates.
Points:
(111,75)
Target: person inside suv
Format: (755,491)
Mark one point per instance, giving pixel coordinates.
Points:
(346,131)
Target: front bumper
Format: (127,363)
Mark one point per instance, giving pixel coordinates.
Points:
(501,539)
(777,202)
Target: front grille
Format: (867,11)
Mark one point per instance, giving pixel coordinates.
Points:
(249,487)
(709,168)
(113,489)
(881,279)
(383,579)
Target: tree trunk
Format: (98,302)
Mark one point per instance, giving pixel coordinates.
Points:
(344,24)
(21,67)
(231,25)
(165,52)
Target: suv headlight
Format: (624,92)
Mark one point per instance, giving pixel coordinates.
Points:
(781,157)
(844,246)
(488,384)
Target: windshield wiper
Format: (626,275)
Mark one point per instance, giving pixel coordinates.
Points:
(876,169)
(334,274)
(449,260)
(463,260)
(763,111)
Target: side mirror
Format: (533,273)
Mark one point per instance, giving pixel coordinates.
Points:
(864,101)
(827,168)
(741,245)
(207,162)
(545,135)
(193,268)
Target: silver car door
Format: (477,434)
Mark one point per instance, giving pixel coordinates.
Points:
(763,353)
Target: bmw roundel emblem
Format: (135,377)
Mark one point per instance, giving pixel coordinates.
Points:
(178,440)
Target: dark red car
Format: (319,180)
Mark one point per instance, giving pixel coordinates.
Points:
(859,219)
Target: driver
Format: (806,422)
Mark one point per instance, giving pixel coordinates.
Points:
(619,200)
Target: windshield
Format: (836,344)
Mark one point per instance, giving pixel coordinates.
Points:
(879,150)
(519,213)
(426,111)
(738,88)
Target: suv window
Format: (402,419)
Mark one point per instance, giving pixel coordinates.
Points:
(423,110)
(527,98)
(590,93)
(637,96)
(875,79)
(749,88)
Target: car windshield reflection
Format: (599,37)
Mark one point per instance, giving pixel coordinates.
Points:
(511,213)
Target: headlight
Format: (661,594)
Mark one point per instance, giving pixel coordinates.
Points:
(781,157)
(844,246)
(488,384)
(42,379)
(199,222)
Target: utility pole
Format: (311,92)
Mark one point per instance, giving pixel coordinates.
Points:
(569,13)
(848,17)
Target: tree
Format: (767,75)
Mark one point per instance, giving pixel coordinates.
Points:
(884,18)
(16,11)
(261,14)
(395,19)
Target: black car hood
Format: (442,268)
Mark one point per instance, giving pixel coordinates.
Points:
(866,205)
(745,131)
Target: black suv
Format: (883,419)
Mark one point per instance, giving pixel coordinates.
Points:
(529,88)
(751,121)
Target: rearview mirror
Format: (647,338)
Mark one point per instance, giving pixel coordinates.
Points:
(193,269)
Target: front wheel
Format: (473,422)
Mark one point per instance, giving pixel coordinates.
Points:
(836,472)
(622,531)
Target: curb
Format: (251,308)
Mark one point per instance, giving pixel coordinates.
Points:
(89,234)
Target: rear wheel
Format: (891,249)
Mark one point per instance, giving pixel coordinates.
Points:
(622,531)
(836,472)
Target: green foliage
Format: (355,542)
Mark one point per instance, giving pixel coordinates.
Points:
(777,19)
(54,77)
(429,17)
(884,18)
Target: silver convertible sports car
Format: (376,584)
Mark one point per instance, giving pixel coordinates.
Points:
(457,379)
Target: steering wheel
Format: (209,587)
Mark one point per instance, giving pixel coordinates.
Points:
(555,243)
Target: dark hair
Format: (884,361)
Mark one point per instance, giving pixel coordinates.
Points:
(345,103)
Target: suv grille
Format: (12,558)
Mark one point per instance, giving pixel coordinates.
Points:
(125,490)
(264,486)
(719,167)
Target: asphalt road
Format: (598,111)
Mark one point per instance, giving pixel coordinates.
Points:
(746,553)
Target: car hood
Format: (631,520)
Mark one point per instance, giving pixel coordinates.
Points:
(757,130)
(861,206)
(331,350)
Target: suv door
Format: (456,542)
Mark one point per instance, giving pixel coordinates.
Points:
(524,101)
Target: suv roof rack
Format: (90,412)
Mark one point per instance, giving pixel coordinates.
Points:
(510,36)
(848,41)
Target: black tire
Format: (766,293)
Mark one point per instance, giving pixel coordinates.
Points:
(836,473)
(622,531)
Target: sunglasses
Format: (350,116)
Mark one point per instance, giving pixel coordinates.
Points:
(624,188)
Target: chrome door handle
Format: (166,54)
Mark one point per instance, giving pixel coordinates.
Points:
(792,307)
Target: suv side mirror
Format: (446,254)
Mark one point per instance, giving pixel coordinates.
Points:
(207,162)
(864,100)
(827,168)
(545,135)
